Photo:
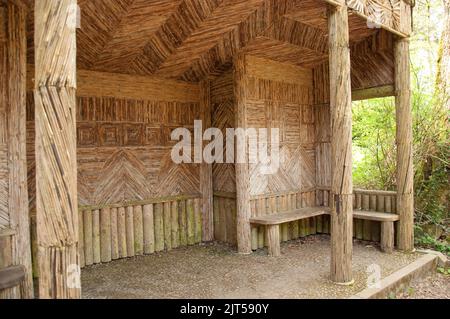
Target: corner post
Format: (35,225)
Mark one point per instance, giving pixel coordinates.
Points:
(13,64)
(405,173)
(242,173)
(56,162)
(206,179)
(341,145)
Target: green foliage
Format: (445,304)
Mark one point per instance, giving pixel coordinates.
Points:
(431,242)
(374,135)
(443,271)
(374,144)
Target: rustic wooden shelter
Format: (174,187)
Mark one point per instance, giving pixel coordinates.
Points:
(91,90)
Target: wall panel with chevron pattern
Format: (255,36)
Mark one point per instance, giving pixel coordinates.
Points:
(223,117)
(281,96)
(124,149)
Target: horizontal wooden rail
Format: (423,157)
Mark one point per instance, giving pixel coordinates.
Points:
(225,195)
(141,202)
(375,192)
(7,232)
(372,93)
(279,194)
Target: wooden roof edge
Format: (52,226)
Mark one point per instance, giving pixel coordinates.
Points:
(373,92)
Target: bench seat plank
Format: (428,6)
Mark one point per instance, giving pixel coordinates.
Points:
(286,217)
(375,216)
(11,276)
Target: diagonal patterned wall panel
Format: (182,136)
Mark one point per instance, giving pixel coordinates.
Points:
(124,150)
(222,99)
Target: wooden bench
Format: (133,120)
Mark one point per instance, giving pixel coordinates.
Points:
(387,226)
(10,276)
(272,223)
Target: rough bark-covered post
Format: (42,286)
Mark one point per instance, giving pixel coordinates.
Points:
(56,164)
(405,195)
(206,182)
(341,145)
(13,132)
(242,174)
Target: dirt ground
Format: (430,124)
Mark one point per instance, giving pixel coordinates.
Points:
(215,271)
(435,286)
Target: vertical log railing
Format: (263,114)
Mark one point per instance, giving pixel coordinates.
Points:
(206,180)
(56,163)
(242,173)
(341,143)
(138,228)
(405,196)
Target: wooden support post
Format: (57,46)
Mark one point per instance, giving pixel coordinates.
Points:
(341,142)
(56,161)
(405,195)
(13,52)
(206,180)
(387,236)
(244,242)
(273,239)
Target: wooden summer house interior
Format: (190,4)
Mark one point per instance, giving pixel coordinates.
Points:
(90,92)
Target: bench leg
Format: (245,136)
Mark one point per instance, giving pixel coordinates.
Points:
(387,236)
(273,240)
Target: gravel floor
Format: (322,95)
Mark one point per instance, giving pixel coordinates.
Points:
(435,286)
(215,271)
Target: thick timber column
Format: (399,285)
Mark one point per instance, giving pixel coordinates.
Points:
(206,178)
(56,164)
(405,173)
(341,146)
(242,174)
(13,165)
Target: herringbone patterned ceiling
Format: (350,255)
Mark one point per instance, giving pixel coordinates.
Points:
(192,39)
